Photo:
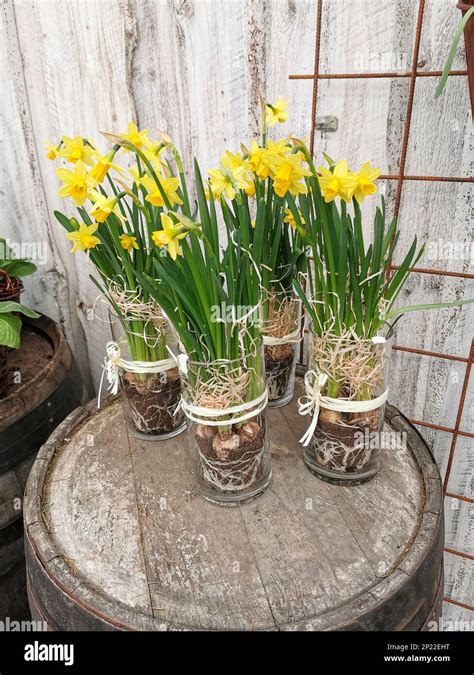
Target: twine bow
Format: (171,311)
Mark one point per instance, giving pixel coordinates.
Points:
(114,363)
(311,402)
(314,400)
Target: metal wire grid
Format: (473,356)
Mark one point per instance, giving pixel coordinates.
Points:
(400,178)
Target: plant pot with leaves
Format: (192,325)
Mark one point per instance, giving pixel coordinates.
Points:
(350,301)
(117,231)
(267,175)
(12,269)
(10,334)
(210,293)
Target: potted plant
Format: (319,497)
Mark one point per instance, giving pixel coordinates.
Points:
(350,303)
(118,212)
(263,176)
(10,334)
(210,293)
(11,271)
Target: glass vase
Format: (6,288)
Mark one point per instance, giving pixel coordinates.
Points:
(225,404)
(150,389)
(346,445)
(281,338)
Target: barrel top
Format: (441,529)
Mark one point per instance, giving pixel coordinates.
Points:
(117,524)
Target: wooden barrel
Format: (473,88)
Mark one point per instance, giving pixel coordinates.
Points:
(118,539)
(49,388)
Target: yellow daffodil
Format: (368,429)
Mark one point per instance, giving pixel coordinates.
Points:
(276,112)
(365,182)
(52,151)
(153,152)
(279,148)
(155,197)
(77,183)
(128,242)
(290,219)
(103,206)
(339,183)
(135,174)
(208,194)
(290,174)
(250,190)
(169,236)
(76,150)
(234,161)
(84,238)
(137,138)
(227,179)
(103,166)
(263,162)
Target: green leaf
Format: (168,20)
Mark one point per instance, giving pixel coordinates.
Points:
(10,329)
(19,268)
(7,307)
(65,221)
(452,52)
(416,308)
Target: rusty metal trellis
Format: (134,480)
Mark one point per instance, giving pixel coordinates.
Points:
(413,74)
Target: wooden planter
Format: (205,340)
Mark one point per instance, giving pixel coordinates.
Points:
(469,43)
(50,387)
(3,370)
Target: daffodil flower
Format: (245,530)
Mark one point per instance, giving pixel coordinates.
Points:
(250,190)
(338,183)
(169,236)
(84,238)
(234,161)
(290,219)
(134,136)
(227,180)
(170,188)
(365,182)
(153,152)
(76,150)
(77,183)
(290,174)
(103,206)
(52,151)
(263,162)
(103,166)
(128,242)
(279,148)
(276,112)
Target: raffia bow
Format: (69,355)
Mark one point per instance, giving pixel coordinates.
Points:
(313,401)
(114,363)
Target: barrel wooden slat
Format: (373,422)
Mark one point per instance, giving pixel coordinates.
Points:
(117,537)
(49,389)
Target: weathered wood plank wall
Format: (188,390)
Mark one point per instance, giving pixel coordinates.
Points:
(195,68)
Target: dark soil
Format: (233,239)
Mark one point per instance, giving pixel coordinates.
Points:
(347,436)
(24,363)
(278,372)
(153,402)
(235,466)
